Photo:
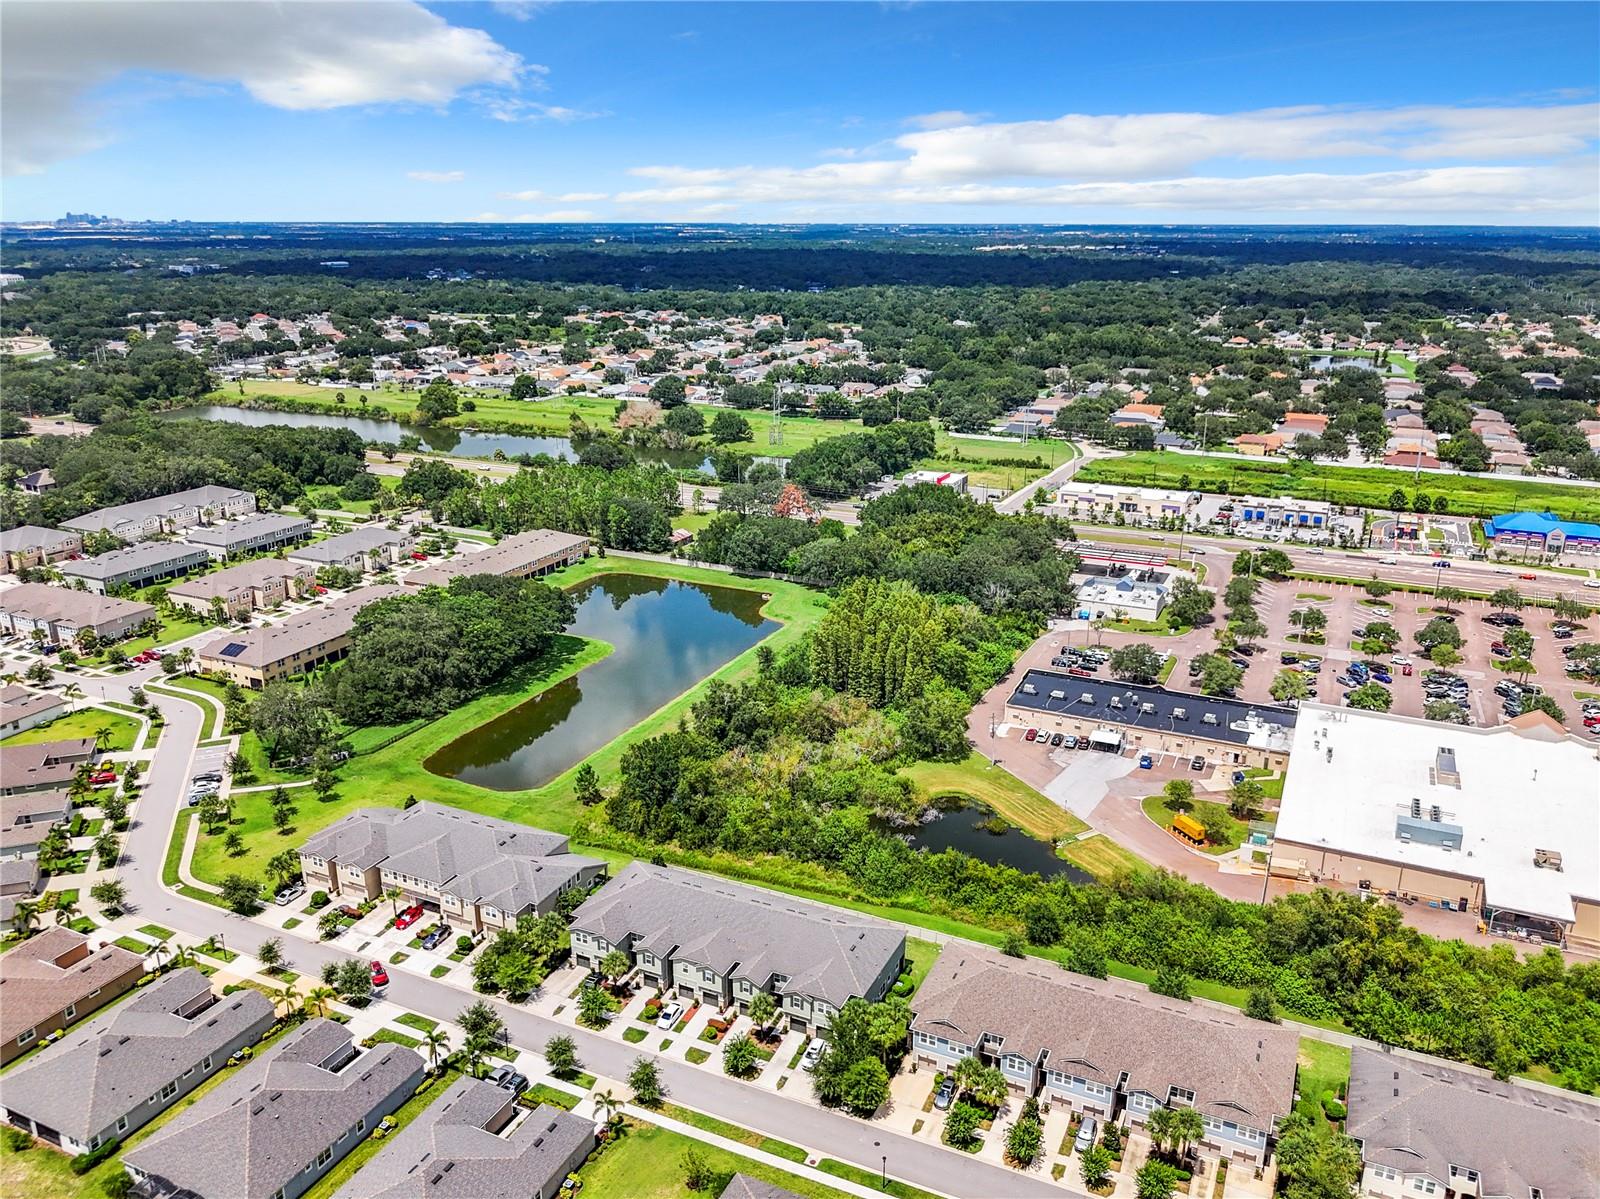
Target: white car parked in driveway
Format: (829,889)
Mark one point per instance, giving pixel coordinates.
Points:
(670,1015)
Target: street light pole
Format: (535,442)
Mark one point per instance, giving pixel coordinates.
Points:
(883,1177)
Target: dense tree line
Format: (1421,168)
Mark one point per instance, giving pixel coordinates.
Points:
(152,374)
(141,456)
(933,537)
(423,655)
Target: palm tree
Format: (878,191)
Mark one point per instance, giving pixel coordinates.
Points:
(72,691)
(67,911)
(318,998)
(286,996)
(393,895)
(25,917)
(160,953)
(101,736)
(606,1102)
(438,1042)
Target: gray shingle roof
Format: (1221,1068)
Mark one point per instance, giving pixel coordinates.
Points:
(1240,723)
(459,1149)
(475,858)
(235,532)
(106,1068)
(515,553)
(751,933)
(1089,1028)
(147,555)
(299,634)
(255,1132)
(356,541)
(1425,1117)
(161,506)
(42,601)
(18,703)
(29,537)
(743,1186)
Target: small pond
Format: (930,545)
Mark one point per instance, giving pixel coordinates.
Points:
(438,438)
(975,831)
(666,636)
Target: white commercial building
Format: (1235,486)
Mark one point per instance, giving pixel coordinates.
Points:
(1504,821)
(1103,502)
(1135,595)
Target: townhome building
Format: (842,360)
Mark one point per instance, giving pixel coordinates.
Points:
(43,765)
(250,535)
(135,565)
(61,613)
(22,709)
(30,546)
(1095,1046)
(475,871)
(717,942)
(1427,1129)
(477,1142)
(54,978)
(360,549)
(26,820)
(520,556)
(166,513)
(256,657)
(113,1075)
(244,587)
(281,1123)
(19,883)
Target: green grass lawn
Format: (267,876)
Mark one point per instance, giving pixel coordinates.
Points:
(923,954)
(1324,1068)
(548,414)
(420,1023)
(181,624)
(1102,857)
(977,779)
(1156,809)
(86,722)
(866,1178)
(647,1163)
(1366,487)
(155,932)
(386,777)
(733,1132)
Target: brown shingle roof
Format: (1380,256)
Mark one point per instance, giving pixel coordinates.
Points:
(33,987)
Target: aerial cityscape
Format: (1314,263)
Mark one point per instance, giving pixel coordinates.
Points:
(950,601)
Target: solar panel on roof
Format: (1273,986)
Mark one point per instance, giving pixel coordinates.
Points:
(233,649)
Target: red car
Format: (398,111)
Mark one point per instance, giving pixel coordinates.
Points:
(319,589)
(1527,576)
(1030,735)
(409,917)
(101,777)
(380,976)
(418,556)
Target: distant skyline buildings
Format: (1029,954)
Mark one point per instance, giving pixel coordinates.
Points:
(392,110)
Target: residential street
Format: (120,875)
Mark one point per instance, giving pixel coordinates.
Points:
(851,1140)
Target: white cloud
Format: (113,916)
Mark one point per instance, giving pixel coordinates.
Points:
(510,108)
(302,57)
(948,118)
(524,196)
(569,216)
(437,176)
(1404,161)
(581,197)
(519,10)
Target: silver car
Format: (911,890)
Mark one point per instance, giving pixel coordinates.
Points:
(1086,1132)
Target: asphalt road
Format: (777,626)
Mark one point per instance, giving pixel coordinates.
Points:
(790,1119)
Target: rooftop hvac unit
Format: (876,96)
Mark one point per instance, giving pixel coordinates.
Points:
(1547,859)
(1029,689)
(1058,695)
(1115,701)
(1147,707)
(1433,813)
(1209,718)
(1086,698)
(1180,713)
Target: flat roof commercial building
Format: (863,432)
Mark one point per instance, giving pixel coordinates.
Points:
(1133,594)
(166,513)
(280,1123)
(719,942)
(244,587)
(477,1142)
(136,565)
(1087,1045)
(54,978)
(473,869)
(250,535)
(31,545)
(520,556)
(113,1076)
(1504,820)
(1115,717)
(256,657)
(61,612)
(1104,502)
(23,709)
(1542,532)
(359,549)
(1427,1129)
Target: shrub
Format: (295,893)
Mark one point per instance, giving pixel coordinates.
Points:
(85,1162)
(1332,1108)
(17,1141)
(464,943)
(319,899)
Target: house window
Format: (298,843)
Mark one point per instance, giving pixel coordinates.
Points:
(1426,1185)
(72,1010)
(26,1036)
(1463,1172)
(206,1063)
(1179,1095)
(122,1124)
(171,1089)
(324,1157)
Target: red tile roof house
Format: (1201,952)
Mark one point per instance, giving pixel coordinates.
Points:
(52,979)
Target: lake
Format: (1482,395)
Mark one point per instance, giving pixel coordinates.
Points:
(666,635)
(438,438)
(965,828)
(1327,362)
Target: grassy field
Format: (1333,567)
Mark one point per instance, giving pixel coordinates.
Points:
(387,777)
(1102,857)
(977,779)
(83,723)
(647,1163)
(1366,487)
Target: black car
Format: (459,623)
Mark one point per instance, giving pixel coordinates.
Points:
(1056,739)
(1288,659)
(436,937)
(508,1079)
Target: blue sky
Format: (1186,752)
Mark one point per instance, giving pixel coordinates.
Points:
(1074,113)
